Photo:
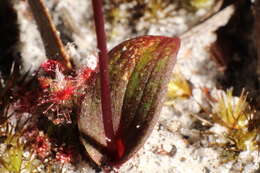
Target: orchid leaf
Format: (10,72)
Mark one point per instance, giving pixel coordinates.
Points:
(139,69)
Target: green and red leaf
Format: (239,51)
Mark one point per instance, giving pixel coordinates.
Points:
(139,72)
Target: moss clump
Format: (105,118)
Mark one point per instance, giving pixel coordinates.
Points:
(235,114)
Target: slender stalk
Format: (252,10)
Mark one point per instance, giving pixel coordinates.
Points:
(103,65)
(53,45)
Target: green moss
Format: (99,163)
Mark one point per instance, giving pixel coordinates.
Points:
(235,114)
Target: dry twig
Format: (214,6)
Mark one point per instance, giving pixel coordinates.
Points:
(54,47)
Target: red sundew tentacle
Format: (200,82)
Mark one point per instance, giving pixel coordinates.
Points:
(83,75)
(42,146)
(50,66)
(86,73)
(65,155)
(59,89)
(44,82)
(64,94)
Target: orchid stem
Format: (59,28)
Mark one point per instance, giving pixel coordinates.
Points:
(103,65)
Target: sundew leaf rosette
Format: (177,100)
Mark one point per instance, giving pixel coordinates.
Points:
(139,70)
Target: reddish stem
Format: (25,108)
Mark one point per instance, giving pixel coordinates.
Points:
(103,65)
